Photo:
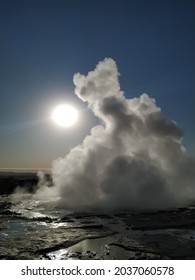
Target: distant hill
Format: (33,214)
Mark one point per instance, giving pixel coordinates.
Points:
(9,181)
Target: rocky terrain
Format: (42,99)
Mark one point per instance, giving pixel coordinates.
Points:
(28,231)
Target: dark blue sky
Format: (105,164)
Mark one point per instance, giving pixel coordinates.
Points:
(44,42)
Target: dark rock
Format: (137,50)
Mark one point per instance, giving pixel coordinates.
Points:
(66,219)
(42,219)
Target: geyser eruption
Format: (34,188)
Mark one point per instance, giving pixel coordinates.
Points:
(134,159)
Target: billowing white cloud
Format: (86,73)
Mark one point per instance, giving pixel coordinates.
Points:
(133,160)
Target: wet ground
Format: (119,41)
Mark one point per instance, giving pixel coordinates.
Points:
(36,230)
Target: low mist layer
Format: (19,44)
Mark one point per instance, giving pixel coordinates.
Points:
(134,159)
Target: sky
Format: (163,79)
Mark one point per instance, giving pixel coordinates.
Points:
(44,43)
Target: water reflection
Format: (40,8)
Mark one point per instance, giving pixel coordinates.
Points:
(92,249)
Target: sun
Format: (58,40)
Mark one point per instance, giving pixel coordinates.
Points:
(65,115)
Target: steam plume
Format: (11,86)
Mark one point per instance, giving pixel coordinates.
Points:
(134,159)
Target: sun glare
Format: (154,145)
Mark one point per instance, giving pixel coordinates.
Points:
(65,115)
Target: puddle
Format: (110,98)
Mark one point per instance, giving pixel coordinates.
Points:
(92,249)
(18,228)
(93,245)
(15,228)
(87,247)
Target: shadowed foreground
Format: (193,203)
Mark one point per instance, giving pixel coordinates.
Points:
(31,230)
